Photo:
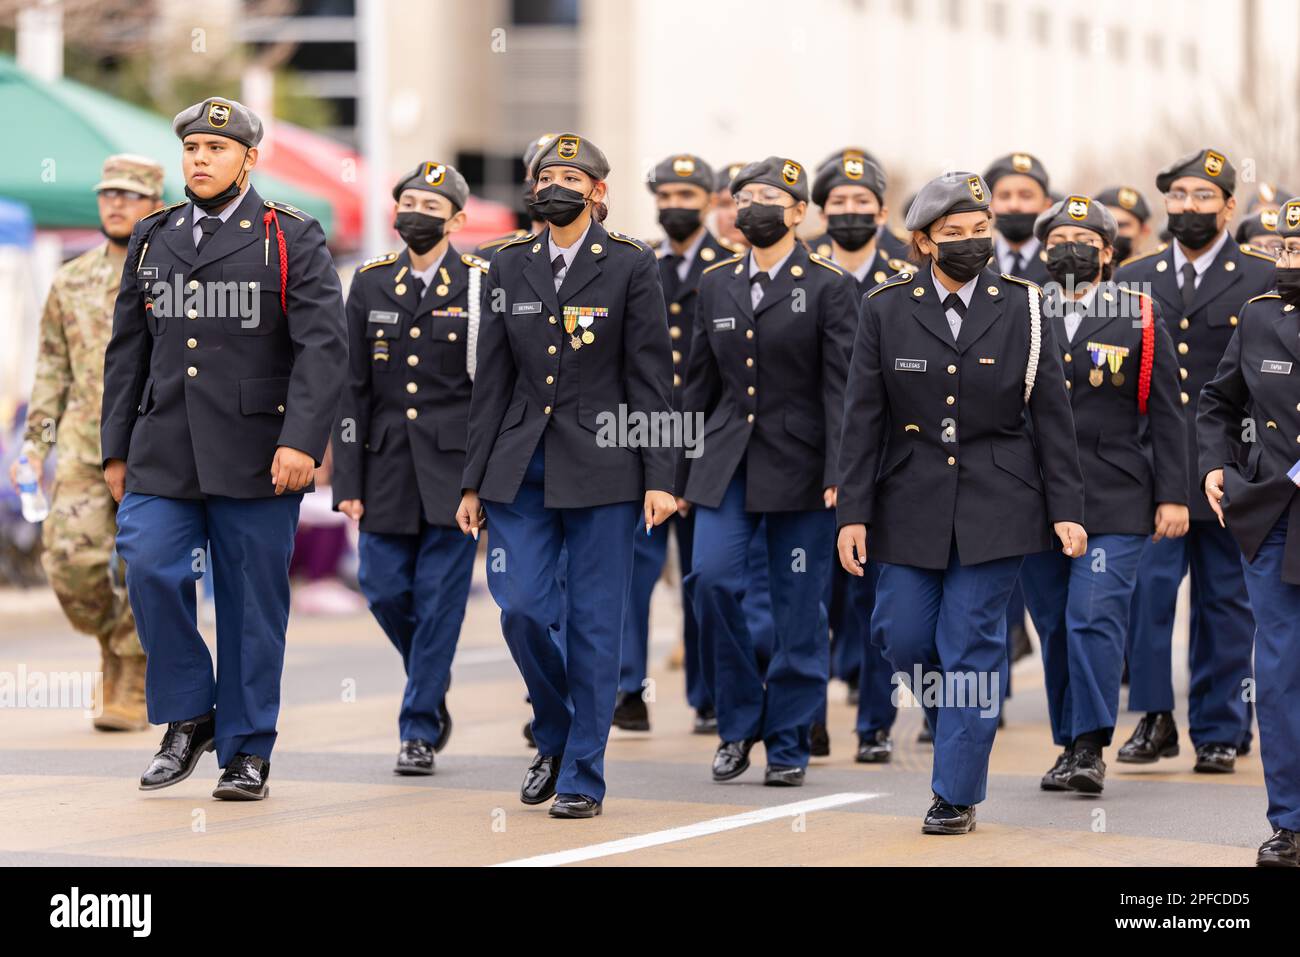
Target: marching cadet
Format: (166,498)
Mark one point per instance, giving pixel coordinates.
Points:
(488,249)
(67,393)
(942,481)
(1259,232)
(1132,218)
(724,210)
(1122,375)
(1200,282)
(1250,479)
(850,190)
(772,335)
(573,335)
(683,189)
(412,319)
(215,414)
(851,158)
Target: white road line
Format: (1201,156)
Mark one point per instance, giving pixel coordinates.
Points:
(689,831)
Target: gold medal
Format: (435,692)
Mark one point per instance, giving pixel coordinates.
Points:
(575,342)
(588,336)
(1095,378)
(1117,378)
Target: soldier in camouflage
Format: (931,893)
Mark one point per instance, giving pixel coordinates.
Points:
(64,414)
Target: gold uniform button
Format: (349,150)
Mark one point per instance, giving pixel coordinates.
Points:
(675,308)
(951,399)
(411,387)
(194,284)
(1186,398)
(551,320)
(1069,358)
(677,380)
(279,408)
(1069,384)
(191,372)
(952,460)
(252,285)
(550,350)
(675,331)
(1185,323)
(451,337)
(677,356)
(411,413)
(412,360)
(750,417)
(1182,372)
(749,362)
(547,410)
(193,313)
(952,370)
(550,380)
(1232,320)
(749,333)
(750,391)
(415,332)
(192,343)
(1182,348)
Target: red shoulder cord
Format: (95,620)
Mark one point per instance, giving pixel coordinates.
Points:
(284,255)
(1148,354)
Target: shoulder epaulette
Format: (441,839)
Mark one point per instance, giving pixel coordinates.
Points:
(381,260)
(1024,282)
(625,239)
(515,242)
(507,238)
(293,211)
(162,209)
(1141,256)
(474,261)
(900,265)
(826,264)
(1250,250)
(1267,295)
(719,265)
(729,245)
(899,280)
(1131,291)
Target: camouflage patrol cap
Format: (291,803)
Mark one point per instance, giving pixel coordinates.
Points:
(682,168)
(139,174)
(221,117)
(441,178)
(570,149)
(1078,211)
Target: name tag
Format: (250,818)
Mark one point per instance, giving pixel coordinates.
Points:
(526,309)
(909,365)
(387,318)
(1274,366)
(722,325)
(147,272)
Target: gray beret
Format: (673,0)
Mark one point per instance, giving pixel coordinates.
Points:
(441,178)
(1024,164)
(775,171)
(530,151)
(832,157)
(725,176)
(1209,165)
(1261,223)
(570,149)
(1288,219)
(850,168)
(222,118)
(1078,211)
(955,192)
(1126,197)
(682,168)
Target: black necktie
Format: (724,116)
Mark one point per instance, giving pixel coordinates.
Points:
(669,275)
(1189,285)
(208,225)
(760,279)
(419,288)
(1017,263)
(557,264)
(954,303)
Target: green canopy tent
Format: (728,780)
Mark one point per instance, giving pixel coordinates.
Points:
(61,132)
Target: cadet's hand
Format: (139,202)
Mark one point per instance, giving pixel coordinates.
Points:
(831,495)
(1172,521)
(853,538)
(37,467)
(352,508)
(470,516)
(291,469)
(1214,492)
(1074,540)
(115,476)
(683,507)
(658,506)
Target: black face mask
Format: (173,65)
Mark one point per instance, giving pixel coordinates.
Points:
(680,224)
(1194,230)
(1288,284)
(1123,248)
(762,224)
(214,203)
(557,205)
(420,231)
(962,259)
(1016,227)
(852,231)
(1072,264)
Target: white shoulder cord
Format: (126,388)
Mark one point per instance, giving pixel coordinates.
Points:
(1035,341)
(471,330)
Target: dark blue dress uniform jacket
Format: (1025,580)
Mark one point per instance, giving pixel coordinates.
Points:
(936,442)
(680,296)
(770,382)
(1256,395)
(404,413)
(1201,334)
(1127,468)
(197,402)
(531,385)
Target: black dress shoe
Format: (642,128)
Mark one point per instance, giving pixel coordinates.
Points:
(875,747)
(731,760)
(416,757)
(1216,759)
(630,712)
(1087,771)
(575,805)
(244,779)
(706,722)
(1280,850)
(539,779)
(528,735)
(183,743)
(926,734)
(819,741)
(1056,779)
(1155,737)
(444,727)
(781,776)
(1243,749)
(945,818)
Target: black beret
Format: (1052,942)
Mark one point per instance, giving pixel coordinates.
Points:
(570,149)
(1078,211)
(682,168)
(1209,165)
(850,168)
(440,178)
(228,118)
(1023,164)
(1127,198)
(955,192)
(775,171)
